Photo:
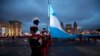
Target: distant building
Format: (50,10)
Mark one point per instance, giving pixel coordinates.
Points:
(75,28)
(69,28)
(10,28)
(62,25)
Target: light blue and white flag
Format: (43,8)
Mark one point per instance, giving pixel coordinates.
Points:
(56,30)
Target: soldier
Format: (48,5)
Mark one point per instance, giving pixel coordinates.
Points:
(33,41)
(44,31)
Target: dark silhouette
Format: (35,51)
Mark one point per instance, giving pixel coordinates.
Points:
(44,31)
(33,30)
(80,38)
(36,21)
(33,41)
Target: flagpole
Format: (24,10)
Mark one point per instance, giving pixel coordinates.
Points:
(49,8)
(48,15)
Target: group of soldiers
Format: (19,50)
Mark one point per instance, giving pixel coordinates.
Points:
(39,42)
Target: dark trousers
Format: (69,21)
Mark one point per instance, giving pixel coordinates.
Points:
(36,51)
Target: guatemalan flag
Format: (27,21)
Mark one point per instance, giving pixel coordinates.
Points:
(56,30)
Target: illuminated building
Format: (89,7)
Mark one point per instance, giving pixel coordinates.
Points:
(75,28)
(10,28)
(69,28)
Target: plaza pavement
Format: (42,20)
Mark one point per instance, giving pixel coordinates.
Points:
(20,47)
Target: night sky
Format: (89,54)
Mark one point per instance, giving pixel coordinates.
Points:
(85,12)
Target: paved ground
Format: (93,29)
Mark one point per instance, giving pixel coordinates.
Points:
(15,51)
(20,47)
(60,48)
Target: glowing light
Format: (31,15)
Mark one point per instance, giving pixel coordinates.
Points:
(25,40)
(27,34)
(79,27)
(1,40)
(3,31)
(68,30)
(83,33)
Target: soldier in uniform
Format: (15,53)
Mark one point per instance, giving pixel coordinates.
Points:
(33,41)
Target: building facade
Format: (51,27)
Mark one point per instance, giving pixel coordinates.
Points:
(10,28)
(75,28)
(72,28)
(69,28)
